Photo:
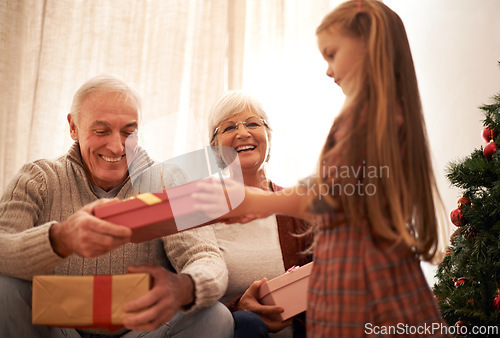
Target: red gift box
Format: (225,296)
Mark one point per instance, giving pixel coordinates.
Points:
(288,291)
(154,215)
(85,301)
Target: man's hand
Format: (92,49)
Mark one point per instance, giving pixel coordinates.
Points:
(86,235)
(169,294)
(249,302)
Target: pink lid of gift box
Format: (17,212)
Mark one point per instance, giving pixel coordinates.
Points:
(288,291)
(172,211)
(146,221)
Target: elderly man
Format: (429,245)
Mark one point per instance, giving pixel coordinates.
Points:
(47,227)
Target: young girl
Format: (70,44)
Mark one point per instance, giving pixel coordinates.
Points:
(373,193)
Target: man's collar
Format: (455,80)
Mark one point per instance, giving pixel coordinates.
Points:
(140,162)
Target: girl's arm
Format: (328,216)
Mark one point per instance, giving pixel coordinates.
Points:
(256,203)
(292,201)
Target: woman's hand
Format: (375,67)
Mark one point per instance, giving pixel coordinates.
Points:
(268,313)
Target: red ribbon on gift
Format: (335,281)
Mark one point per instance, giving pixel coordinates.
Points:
(101,312)
(102,301)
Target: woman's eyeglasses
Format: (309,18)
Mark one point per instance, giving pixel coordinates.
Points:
(228,128)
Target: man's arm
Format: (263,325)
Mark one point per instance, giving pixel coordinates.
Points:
(25,249)
(28,249)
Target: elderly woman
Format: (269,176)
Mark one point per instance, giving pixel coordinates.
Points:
(263,248)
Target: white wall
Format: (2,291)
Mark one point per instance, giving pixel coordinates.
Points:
(456,47)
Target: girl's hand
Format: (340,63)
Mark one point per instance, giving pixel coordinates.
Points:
(242,219)
(231,203)
(268,313)
(214,199)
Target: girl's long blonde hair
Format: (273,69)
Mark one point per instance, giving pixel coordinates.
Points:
(386,90)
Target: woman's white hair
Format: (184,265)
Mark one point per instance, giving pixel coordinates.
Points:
(104,84)
(230,104)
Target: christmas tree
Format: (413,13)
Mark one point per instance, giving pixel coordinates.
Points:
(468,279)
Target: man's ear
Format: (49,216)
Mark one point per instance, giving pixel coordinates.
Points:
(73,130)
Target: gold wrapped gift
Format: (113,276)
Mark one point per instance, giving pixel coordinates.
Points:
(86,301)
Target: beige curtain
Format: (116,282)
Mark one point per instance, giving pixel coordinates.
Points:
(179,54)
(173,52)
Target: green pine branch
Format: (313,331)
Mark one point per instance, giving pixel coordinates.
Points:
(474,251)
